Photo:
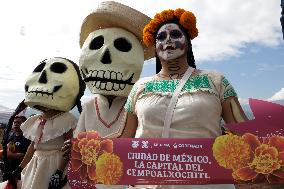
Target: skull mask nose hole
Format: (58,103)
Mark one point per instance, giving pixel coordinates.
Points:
(43,78)
(106,59)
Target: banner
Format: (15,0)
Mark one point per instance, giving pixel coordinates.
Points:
(251,152)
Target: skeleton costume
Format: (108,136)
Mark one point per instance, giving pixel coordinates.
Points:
(55,84)
(111,62)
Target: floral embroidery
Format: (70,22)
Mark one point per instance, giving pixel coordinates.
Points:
(196,83)
(225,82)
(165,86)
(230,92)
(228,89)
(128,105)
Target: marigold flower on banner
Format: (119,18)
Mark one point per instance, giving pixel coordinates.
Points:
(109,168)
(86,149)
(267,161)
(185,18)
(231,151)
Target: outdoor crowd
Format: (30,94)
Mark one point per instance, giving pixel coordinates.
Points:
(179,101)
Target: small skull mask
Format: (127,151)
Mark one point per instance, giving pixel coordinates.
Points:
(111,61)
(54,84)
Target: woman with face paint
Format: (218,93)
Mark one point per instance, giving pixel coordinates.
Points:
(180,101)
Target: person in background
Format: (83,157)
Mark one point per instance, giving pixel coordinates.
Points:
(17,143)
(17,146)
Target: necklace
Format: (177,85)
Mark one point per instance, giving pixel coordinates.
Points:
(101,119)
(40,131)
(41,127)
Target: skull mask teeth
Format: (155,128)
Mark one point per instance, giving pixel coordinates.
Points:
(53,84)
(111,61)
(41,91)
(106,80)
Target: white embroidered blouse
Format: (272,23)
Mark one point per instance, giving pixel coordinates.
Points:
(198,110)
(97,115)
(52,131)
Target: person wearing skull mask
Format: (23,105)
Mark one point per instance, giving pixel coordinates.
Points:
(180,101)
(111,62)
(54,88)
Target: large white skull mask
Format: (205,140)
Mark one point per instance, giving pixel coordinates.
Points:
(54,84)
(111,61)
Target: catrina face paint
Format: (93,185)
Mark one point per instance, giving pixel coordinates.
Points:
(170,42)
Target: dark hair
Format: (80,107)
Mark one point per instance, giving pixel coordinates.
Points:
(190,56)
(82,85)
(22,118)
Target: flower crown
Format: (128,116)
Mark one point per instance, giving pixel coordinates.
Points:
(185,18)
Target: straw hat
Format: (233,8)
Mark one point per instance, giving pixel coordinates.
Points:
(113,14)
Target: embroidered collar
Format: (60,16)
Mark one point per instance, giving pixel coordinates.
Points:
(195,83)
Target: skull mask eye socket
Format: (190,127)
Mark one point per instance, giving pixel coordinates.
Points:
(97,43)
(122,44)
(40,67)
(58,67)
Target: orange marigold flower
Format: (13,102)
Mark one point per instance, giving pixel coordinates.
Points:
(252,140)
(148,39)
(277,142)
(89,150)
(194,32)
(109,168)
(231,151)
(186,19)
(168,15)
(155,24)
(178,12)
(157,17)
(86,149)
(267,162)
(266,159)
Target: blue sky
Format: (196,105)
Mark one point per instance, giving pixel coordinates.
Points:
(241,39)
(257,72)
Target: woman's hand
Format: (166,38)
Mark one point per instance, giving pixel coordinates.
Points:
(56,181)
(17,172)
(66,149)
